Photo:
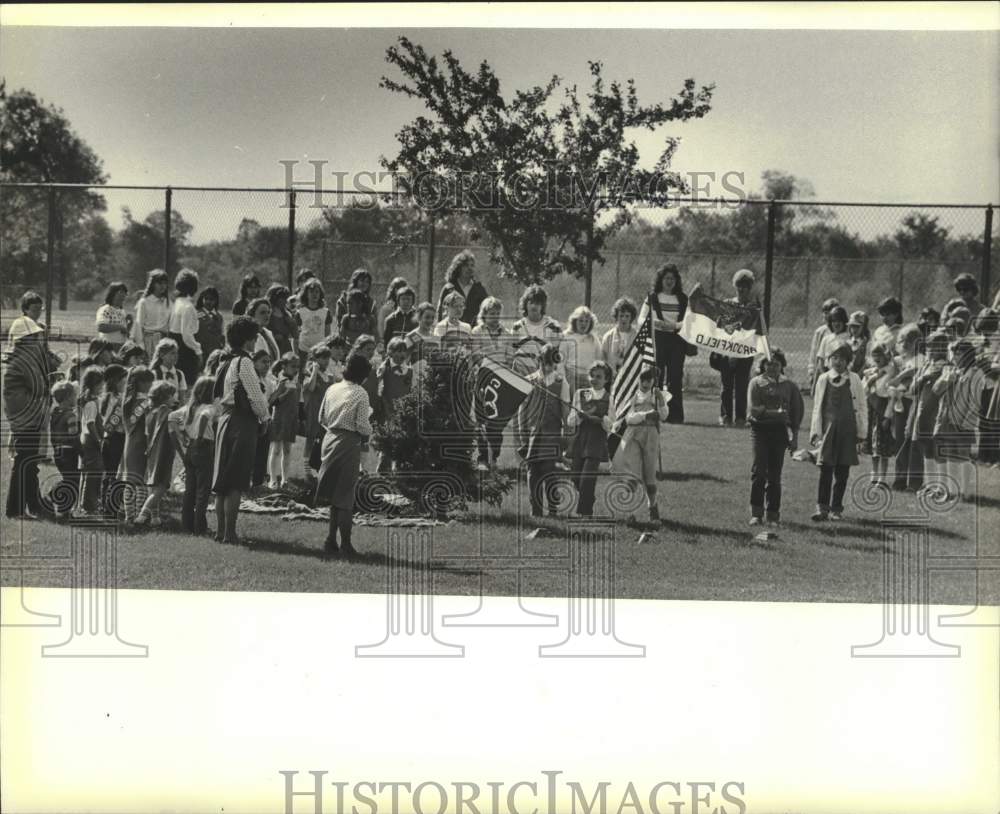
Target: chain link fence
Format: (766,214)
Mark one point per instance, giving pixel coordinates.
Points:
(68,243)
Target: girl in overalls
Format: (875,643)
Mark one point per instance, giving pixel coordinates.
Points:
(839,422)
(540,423)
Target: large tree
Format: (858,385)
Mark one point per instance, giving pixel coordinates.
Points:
(538,177)
(38,145)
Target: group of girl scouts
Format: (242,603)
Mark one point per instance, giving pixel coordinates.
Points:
(918,398)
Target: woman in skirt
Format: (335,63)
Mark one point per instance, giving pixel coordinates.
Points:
(346,416)
(244,416)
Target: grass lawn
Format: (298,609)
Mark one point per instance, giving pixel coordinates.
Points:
(704,549)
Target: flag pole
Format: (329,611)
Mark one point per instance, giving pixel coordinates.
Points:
(763,325)
(656,363)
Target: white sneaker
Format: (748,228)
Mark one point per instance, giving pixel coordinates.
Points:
(755,521)
(836,516)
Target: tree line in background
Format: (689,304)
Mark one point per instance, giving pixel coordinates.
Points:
(471,131)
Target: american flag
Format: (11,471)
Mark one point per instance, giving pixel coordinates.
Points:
(641,352)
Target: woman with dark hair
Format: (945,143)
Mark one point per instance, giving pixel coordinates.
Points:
(244,417)
(26,405)
(669,304)
(390,304)
(249,291)
(346,415)
(112,322)
(260,312)
(283,326)
(210,328)
(461,277)
(183,325)
(152,312)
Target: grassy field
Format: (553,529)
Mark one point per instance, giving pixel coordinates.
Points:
(703,550)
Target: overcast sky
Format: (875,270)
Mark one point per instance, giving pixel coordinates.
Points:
(869,116)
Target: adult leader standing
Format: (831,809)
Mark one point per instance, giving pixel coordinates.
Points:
(735,373)
(26,406)
(669,304)
(346,415)
(462,278)
(183,325)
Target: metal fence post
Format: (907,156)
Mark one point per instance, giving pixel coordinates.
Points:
(769,260)
(291,240)
(430,263)
(618,274)
(984,278)
(588,283)
(711,279)
(50,258)
(899,281)
(805,309)
(167,213)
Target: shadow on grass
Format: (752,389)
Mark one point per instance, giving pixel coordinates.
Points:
(681,477)
(737,537)
(373,558)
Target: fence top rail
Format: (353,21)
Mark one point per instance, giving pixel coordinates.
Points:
(306,190)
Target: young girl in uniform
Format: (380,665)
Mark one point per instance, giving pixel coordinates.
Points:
(194,440)
(858,337)
(580,347)
(132,470)
(64,433)
(91,435)
(366,346)
(395,381)
(876,381)
(540,422)
(960,388)
(113,443)
(925,410)
(159,452)
(590,417)
(909,467)
(319,376)
(616,342)
(638,452)
(359,319)
(165,369)
(210,334)
(839,423)
(262,361)
(284,401)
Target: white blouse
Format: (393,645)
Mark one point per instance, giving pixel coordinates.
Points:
(184,321)
(152,314)
(346,407)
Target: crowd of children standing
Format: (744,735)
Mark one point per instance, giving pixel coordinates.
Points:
(918,397)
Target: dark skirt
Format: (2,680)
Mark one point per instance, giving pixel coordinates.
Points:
(340,468)
(160,460)
(235,446)
(187,360)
